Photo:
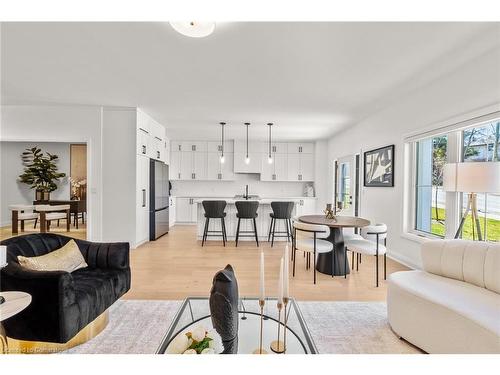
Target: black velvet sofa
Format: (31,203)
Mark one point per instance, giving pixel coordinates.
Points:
(63,303)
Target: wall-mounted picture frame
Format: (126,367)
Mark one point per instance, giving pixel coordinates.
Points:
(379,167)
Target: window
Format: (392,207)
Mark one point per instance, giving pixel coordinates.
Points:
(430,213)
(344,188)
(482,144)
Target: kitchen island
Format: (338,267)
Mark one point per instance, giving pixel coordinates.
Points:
(303,206)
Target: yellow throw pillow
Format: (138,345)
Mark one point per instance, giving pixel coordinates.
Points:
(68,258)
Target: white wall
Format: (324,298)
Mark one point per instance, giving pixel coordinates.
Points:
(14,192)
(321,175)
(468,88)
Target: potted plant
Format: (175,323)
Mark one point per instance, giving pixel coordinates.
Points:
(40,172)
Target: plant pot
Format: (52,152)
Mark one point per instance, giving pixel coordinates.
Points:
(41,195)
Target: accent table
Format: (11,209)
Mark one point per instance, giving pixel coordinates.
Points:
(324,261)
(15,302)
(196,310)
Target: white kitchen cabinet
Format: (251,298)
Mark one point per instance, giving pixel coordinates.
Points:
(199,166)
(300,167)
(217,147)
(277,170)
(301,148)
(186,165)
(166,151)
(217,170)
(142,199)
(175,166)
(143,141)
(193,146)
(186,210)
(305,206)
(172,211)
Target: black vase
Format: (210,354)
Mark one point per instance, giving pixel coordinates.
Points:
(224,308)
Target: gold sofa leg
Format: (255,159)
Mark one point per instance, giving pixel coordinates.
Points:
(90,331)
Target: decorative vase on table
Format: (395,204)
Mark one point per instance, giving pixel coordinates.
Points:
(42,195)
(224,308)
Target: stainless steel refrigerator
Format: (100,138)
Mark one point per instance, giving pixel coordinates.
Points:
(159,199)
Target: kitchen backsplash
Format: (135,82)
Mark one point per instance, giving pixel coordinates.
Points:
(230,188)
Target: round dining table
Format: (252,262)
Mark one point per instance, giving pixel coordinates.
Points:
(324,263)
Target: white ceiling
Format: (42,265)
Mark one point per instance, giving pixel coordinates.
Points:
(311,79)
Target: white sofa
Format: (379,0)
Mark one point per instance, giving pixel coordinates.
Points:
(453,304)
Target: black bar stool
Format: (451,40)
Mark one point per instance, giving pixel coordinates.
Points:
(214,210)
(281,211)
(247,210)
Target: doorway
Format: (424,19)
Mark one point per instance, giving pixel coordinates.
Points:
(346,183)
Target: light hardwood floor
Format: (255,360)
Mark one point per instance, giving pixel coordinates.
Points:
(176,266)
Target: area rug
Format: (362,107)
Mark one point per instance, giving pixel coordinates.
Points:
(138,326)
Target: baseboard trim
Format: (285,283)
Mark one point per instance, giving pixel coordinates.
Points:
(405,261)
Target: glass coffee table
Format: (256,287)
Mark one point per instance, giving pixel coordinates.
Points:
(195,311)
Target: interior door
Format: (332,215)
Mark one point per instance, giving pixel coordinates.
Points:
(347,182)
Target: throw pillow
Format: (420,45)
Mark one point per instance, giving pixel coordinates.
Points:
(68,258)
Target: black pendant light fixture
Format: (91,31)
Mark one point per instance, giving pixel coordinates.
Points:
(270,156)
(247,159)
(222,159)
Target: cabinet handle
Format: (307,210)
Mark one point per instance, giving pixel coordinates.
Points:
(300,148)
(157,154)
(274,177)
(219,176)
(179,146)
(144,130)
(143,197)
(301,202)
(179,176)
(143,149)
(193,147)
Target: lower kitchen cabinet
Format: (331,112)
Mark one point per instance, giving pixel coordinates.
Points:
(186,211)
(172,211)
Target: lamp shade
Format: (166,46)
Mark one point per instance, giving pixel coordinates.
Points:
(480,177)
(450,177)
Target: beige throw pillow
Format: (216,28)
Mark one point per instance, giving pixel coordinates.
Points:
(68,258)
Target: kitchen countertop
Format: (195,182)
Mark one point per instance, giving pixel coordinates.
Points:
(260,200)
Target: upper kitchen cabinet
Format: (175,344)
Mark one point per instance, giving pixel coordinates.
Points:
(188,161)
(151,138)
(275,171)
(217,170)
(300,148)
(300,167)
(217,147)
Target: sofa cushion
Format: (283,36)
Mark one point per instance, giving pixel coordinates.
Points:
(474,262)
(474,303)
(98,289)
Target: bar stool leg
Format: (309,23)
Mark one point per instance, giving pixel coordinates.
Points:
(222,230)
(204,232)
(287,231)
(376,269)
(385,267)
(238,232)
(255,231)
(270,228)
(272,234)
(345,262)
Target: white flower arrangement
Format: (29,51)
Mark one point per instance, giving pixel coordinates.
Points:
(197,341)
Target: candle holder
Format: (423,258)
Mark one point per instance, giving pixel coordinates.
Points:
(278,346)
(285,303)
(260,350)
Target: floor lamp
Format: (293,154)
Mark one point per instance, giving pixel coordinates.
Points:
(472,178)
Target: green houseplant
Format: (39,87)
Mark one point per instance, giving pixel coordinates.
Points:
(40,172)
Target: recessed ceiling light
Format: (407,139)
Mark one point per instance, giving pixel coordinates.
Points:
(194,29)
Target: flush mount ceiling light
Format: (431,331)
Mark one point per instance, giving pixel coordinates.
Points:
(222,159)
(194,29)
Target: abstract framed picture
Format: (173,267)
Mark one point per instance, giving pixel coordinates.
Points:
(379,167)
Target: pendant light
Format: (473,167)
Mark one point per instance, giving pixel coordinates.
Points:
(222,159)
(270,156)
(247,159)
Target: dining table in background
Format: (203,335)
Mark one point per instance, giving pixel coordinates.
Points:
(43,210)
(324,263)
(77,207)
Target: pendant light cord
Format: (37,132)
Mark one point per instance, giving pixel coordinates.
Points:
(247,124)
